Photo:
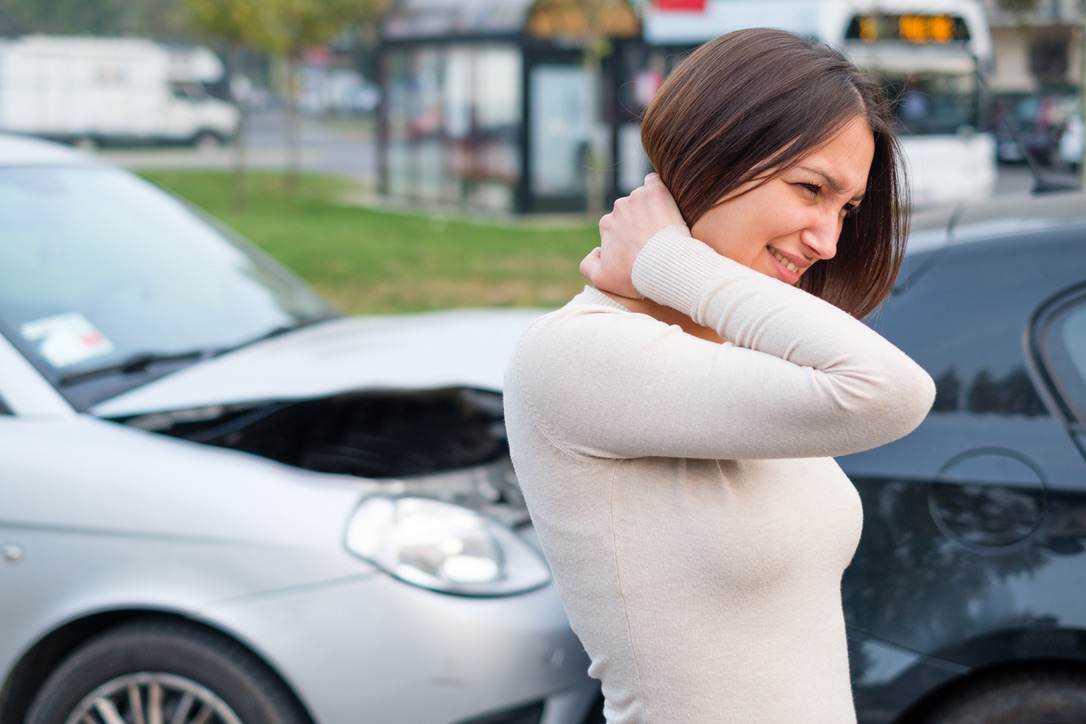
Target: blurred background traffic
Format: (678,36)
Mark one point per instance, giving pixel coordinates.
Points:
(513,113)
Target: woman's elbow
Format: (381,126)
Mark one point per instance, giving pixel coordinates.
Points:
(911,395)
(887,401)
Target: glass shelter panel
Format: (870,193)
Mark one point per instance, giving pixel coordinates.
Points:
(561,124)
(497,81)
(454,124)
(400,103)
(426,125)
(642,70)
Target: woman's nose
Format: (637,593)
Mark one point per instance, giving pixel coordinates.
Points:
(821,236)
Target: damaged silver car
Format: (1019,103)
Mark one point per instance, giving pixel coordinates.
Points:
(221,501)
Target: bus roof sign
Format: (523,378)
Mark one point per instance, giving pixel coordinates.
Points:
(685,6)
(954,26)
(916,28)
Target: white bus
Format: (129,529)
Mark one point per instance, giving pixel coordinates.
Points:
(926,52)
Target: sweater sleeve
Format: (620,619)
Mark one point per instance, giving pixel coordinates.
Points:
(798,377)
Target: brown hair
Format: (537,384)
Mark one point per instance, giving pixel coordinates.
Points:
(758,98)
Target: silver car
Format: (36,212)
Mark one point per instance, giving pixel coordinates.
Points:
(220,501)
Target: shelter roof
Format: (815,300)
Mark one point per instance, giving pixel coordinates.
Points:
(436,18)
(565,20)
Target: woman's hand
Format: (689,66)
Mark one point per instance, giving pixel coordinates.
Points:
(624,231)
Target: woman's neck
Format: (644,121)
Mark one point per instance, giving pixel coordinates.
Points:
(667,315)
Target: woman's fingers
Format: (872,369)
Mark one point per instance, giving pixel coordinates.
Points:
(624,231)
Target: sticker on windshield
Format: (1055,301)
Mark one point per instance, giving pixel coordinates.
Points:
(65,339)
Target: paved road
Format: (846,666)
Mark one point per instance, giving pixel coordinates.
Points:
(1013,179)
(345,147)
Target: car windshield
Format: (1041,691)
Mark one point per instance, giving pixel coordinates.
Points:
(933,103)
(107,282)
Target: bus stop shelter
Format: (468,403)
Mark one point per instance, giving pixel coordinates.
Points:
(487,104)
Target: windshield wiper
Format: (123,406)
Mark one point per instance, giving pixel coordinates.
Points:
(138,362)
(277,331)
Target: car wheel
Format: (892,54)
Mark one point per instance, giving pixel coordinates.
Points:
(162,672)
(207,141)
(1040,697)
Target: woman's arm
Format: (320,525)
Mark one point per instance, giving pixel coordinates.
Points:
(800,377)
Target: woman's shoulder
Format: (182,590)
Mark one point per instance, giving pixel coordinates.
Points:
(589,315)
(590,335)
(589,301)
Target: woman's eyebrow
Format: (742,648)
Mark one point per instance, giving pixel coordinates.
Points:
(833,183)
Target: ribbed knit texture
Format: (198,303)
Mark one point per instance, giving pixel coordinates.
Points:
(682,490)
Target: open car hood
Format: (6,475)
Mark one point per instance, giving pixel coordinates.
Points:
(465,347)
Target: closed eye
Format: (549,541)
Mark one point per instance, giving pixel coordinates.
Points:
(814,189)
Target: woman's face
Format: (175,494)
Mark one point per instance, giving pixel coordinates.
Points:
(798,213)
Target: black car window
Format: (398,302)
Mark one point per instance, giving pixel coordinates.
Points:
(964,319)
(1060,339)
(4,409)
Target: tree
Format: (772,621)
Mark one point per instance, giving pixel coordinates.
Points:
(231,23)
(160,19)
(284,29)
(983,393)
(591,24)
(97,17)
(288,28)
(157,18)
(948,390)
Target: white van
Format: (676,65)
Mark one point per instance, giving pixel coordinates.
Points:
(105,90)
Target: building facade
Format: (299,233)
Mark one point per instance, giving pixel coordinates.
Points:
(1038,45)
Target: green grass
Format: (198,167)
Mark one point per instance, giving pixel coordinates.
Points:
(366,260)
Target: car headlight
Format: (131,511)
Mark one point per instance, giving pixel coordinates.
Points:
(443,547)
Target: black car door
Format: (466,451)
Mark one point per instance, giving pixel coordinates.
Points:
(955,549)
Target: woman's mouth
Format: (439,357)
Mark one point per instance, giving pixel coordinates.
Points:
(785,270)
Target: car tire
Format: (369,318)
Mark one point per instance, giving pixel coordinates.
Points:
(207,141)
(1014,697)
(184,664)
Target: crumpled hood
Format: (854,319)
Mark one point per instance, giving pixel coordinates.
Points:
(469,347)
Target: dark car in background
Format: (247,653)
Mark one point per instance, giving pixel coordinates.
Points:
(965,599)
(1032,124)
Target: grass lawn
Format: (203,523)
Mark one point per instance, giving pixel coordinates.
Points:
(366,260)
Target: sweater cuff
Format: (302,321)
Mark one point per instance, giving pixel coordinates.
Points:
(673,268)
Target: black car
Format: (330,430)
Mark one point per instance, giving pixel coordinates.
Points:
(1030,124)
(966,598)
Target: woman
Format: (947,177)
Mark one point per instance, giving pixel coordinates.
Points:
(672,425)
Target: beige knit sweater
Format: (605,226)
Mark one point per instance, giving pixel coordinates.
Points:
(682,492)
